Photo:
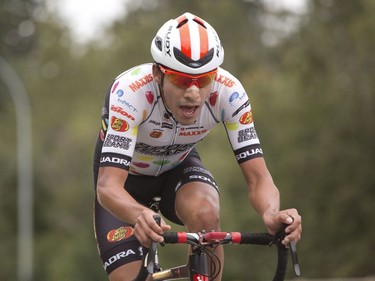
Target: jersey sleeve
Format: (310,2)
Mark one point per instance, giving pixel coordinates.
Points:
(123,112)
(238,120)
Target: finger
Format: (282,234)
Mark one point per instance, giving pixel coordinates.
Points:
(141,237)
(166,227)
(294,229)
(293,235)
(163,227)
(145,231)
(154,226)
(154,231)
(285,242)
(289,219)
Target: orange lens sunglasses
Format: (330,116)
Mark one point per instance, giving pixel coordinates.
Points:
(183,80)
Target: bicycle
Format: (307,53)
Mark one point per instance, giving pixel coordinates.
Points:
(197,268)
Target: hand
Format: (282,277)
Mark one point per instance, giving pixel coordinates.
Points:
(147,230)
(290,217)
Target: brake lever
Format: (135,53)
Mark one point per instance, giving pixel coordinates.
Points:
(151,258)
(293,252)
(152,251)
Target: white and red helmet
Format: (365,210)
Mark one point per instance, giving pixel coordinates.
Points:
(187,44)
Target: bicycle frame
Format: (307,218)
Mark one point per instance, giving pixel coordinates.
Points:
(197,268)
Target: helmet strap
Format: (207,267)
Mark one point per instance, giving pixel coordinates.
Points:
(161,89)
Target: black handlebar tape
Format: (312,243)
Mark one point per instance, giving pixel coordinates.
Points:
(170,237)
(256,238)
(266,239)
(282,262)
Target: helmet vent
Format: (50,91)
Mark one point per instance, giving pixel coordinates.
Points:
(158,42)
(198,21)
(193,63)
(181,23)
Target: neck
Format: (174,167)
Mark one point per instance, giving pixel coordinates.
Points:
(161,90)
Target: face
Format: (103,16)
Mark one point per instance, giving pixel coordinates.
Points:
(185,103)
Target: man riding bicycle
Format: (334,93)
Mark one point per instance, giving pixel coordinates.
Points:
(153,116)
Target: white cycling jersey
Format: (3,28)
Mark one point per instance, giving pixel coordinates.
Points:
(140,135)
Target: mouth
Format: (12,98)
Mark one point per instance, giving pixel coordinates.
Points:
(189,111)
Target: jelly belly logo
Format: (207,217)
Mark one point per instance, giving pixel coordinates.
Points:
(246,118)
(119,125)
(156,134)
(119,234)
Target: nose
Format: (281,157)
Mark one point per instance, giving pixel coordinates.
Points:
(192,92)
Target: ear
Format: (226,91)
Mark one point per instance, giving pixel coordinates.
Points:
(156,73)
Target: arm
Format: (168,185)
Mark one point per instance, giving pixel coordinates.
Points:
(115,199)
(263,194)
(265,198)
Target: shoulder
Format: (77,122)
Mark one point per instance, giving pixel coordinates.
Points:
(225,79)
(227,87)
(134,91)
(226,84)
(229,96)
(134,78)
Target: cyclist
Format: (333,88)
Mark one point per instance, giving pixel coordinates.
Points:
(153,116)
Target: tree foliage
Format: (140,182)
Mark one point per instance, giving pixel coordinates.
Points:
(312,94)
(17,27)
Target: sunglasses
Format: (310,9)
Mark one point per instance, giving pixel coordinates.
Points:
(183,80)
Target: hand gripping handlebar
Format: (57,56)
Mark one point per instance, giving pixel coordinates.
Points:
(203,239)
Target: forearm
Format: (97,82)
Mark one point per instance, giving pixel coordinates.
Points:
(264,197)
(262,192)
(119,203)
(113,196)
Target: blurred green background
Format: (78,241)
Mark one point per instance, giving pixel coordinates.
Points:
(308,76)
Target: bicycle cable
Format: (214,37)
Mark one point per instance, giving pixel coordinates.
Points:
(215,266)
(212,259)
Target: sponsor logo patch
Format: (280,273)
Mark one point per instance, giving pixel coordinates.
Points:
(119,125)
(119,234)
